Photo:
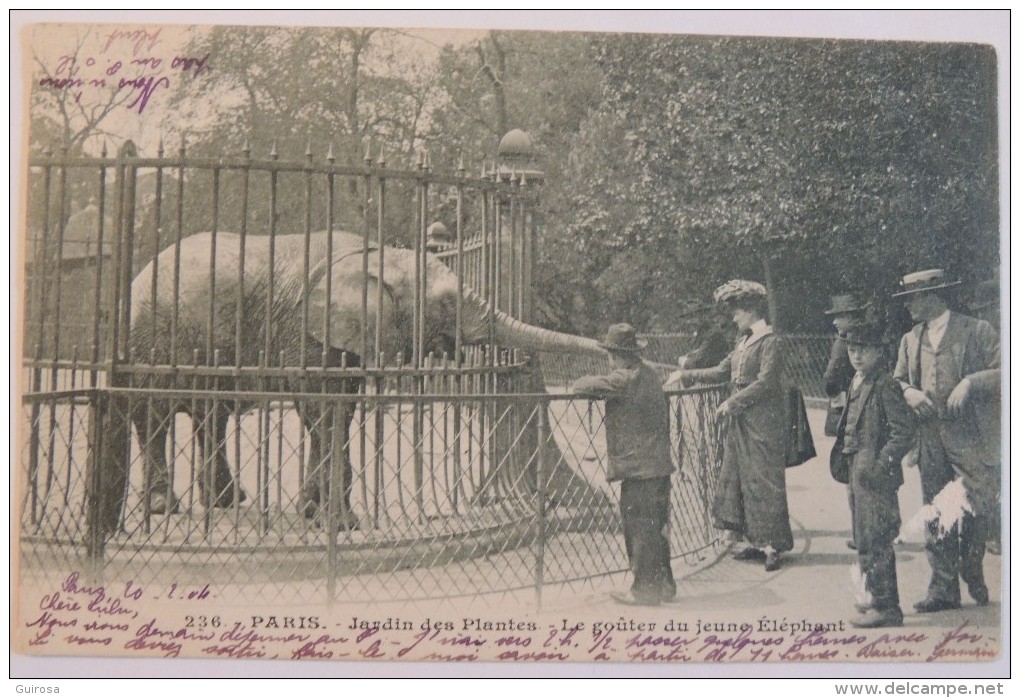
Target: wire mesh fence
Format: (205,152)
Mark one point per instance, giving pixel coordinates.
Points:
(308,497)
(245,403)
(804,360)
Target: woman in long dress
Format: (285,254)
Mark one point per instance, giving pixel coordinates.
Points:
(750,495)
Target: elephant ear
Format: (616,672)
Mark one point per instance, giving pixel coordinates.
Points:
(336,293)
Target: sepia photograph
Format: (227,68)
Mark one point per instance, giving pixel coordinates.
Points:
(481,344)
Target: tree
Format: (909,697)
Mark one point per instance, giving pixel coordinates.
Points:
(308,92)
(70,100)
(843,162)
(544,84)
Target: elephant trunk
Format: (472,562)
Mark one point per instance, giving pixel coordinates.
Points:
(510,332)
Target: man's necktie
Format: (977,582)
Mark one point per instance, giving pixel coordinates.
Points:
(920,352)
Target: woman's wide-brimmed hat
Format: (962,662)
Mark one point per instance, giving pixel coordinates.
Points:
(739,289)
(924,281)
(845,303)
(863,332)
(622,338)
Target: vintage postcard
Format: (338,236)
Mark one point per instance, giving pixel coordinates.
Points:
(510,346)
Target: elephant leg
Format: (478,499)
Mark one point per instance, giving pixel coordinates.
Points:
(313,488)
(151,429)
(328,465)
(342,464)
(215,481)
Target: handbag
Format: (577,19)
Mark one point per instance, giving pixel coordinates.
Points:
(800,445)
(835,411)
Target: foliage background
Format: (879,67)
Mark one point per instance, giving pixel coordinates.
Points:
(672,162)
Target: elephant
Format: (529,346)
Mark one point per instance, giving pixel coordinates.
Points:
(211,283)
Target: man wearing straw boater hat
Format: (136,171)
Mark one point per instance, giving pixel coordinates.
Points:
(637,438)
(942,366)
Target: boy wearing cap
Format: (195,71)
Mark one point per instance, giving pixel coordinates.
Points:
(637,438)
(875,431)
(943,363)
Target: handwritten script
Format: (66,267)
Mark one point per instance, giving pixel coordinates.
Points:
(121,619)
(124,67)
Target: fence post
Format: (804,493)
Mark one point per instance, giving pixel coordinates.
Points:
(96,529)
(543,437)
(336,488)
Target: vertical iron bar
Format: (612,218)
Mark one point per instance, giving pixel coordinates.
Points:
(520,236)
(337,490)
(399,430)
(147,472)
(530,256)
(153,296)
(206,493)
(95,529)
(262,476)
(239,325)
(70,429)
(522,241)
(272,256)
(41,273)
(54,370)
(306,268)
(41,270)
(423,261)
(211,330)
(377,479)
(487,265)
(497,259)
(130,189)
(512,285)
(381,240)
(459,308)
(118,262)
(179,234)
(419,381)
(279,447)
(458,339)
(379,353)
(236,494)
(418,245)
(97,297)
(543,436)
(193,474)
(446,389)
(365,235)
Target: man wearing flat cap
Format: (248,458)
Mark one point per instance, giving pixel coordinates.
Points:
(637,438)
(944,364)
(845,310)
